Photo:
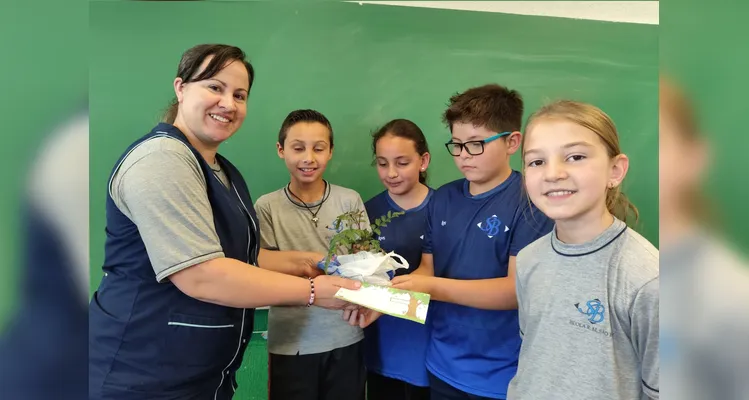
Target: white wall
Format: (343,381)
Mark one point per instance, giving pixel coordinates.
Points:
(638,12)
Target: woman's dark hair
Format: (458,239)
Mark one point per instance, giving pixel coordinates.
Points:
(194,57)
(408,130)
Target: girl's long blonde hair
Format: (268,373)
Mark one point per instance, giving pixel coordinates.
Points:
(593,118)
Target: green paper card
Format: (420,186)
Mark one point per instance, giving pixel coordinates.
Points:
(387,300)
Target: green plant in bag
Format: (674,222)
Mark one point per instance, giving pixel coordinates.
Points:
(353,236)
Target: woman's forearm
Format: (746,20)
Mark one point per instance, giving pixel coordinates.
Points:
(232,283)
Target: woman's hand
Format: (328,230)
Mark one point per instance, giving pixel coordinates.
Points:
(414,283)
(327,286)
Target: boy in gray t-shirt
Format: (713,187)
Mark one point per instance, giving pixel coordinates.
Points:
(582,343)
(314,353)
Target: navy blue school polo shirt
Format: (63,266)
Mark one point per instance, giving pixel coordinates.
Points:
(473,237)
(395,347)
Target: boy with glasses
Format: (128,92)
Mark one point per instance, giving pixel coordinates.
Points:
(476,226)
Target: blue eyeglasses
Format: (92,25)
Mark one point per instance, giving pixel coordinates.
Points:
(473,147)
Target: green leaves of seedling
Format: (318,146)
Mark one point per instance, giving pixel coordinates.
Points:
(353,236)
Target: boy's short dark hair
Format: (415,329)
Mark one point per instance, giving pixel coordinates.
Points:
(492,106)
(298,116)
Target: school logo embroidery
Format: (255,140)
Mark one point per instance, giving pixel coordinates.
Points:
(492,226)
(331,226)
(381,238)
(444,223)
(332,231)
(594,311)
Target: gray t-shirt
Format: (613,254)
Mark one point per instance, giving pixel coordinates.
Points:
(159,185)
(588,318)
(287,225)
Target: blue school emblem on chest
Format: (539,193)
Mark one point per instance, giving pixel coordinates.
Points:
(594,310)
(492,226)
(332,227)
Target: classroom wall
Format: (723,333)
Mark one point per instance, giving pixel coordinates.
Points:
(638,12)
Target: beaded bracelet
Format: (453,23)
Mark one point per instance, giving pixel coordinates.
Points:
(311,292)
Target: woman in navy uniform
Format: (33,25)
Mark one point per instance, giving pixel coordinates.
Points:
(174,311)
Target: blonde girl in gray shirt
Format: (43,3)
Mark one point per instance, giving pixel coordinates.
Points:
(588,291)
